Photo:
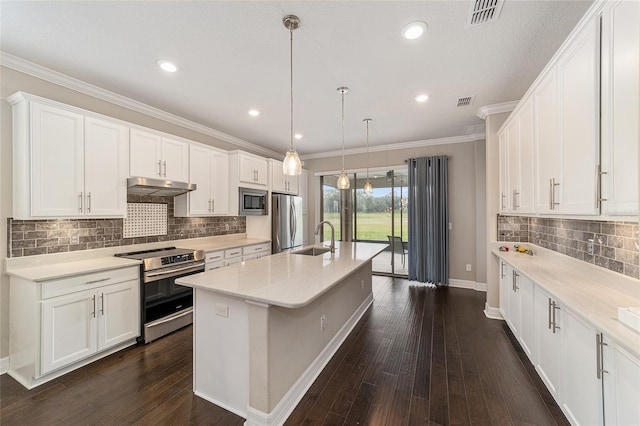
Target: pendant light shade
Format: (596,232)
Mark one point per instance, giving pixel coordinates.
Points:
(368,188)
(343,179)
(291,165)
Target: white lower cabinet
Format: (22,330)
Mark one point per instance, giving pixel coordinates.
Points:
(517,292)
(582,395)
(593,379)
(69,331)
(58,325)
(548,345)
(621,385)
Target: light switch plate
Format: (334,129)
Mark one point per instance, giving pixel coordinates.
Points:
(222,310)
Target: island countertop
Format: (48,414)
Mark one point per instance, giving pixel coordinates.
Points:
(286,279)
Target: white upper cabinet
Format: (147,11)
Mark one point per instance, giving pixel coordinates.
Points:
(66,163)
(57,161)
(158,157)
(620,107)
(547,143)
(516,161)
(253,170)
(279,182)
(578,83)
(566,105)
(209,170)
(106,160)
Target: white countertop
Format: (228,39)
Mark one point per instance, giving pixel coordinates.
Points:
(285,279)
(66,269)
(592,292)
(60,265)
(221,245)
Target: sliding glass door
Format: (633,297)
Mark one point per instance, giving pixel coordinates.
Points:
(379,217)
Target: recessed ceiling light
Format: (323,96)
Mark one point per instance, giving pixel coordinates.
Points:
(254,112)
(297,136)
(414,30)
(168,66)
(421,98)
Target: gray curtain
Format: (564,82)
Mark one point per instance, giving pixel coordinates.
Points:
(428,220)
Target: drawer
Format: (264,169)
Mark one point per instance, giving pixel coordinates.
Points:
(68,285)
(213,256)
(249,257)
(210,266)
(234,260)
(256,248)
(232,253)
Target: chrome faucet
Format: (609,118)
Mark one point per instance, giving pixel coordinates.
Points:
(333,238)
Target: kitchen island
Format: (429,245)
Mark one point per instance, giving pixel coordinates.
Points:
(264,330)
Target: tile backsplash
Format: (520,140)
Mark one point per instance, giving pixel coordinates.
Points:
(32,237)
(615,243)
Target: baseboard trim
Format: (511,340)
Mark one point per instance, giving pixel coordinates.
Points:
(221,404)
(492,313)
(471,285)
(4,365)
(291,399)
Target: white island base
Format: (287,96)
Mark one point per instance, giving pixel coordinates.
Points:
(258,359)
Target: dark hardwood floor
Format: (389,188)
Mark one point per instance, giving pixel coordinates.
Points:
(419,356)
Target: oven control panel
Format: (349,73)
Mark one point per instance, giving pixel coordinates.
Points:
(178,258)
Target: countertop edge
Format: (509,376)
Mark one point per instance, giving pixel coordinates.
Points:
(269,301)
(69,269)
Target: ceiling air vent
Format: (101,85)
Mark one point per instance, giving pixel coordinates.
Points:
(483,11)
(474,129)
(466,101)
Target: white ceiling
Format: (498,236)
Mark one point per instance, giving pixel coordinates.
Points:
(234,55)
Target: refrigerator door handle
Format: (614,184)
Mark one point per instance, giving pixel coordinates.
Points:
(276,213)
(291,225)
(294,223)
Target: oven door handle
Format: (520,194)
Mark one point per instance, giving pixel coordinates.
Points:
(173,271)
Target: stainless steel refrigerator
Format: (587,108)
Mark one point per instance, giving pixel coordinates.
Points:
(286,222)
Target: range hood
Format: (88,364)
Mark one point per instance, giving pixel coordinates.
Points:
(158,187)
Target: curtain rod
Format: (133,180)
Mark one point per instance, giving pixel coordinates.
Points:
(448,157)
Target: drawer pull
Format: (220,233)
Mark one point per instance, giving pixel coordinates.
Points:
(98,281)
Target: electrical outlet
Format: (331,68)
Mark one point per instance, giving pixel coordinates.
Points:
(450,225)
(362,284)
(74,239)
(590,246)
(468,267)
(226,226)
(222,310)
(323,323)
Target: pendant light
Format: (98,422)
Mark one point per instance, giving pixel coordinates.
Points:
(368,188)
(343,179)
(291,165)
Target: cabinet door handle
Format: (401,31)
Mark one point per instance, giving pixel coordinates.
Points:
(550,194)
(599,356)
(89,202)
(515,281)
(165,169)
(80,198)
(159,167)
(93,302)
(501,269)
(102,304)
(213,205)
(553,193)
(502,197)
(555,325)
(599,198)
(516,195)
(549,311)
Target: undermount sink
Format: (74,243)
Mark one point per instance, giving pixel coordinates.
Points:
(630,317)
(312,251)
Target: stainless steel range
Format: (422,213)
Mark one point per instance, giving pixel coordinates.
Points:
(165,305)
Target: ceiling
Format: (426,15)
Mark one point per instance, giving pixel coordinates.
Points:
(234,56)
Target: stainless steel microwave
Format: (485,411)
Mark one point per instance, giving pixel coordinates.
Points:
(253,202)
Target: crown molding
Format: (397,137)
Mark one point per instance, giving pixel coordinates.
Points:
(486,110)
(397,146)
(22,65)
